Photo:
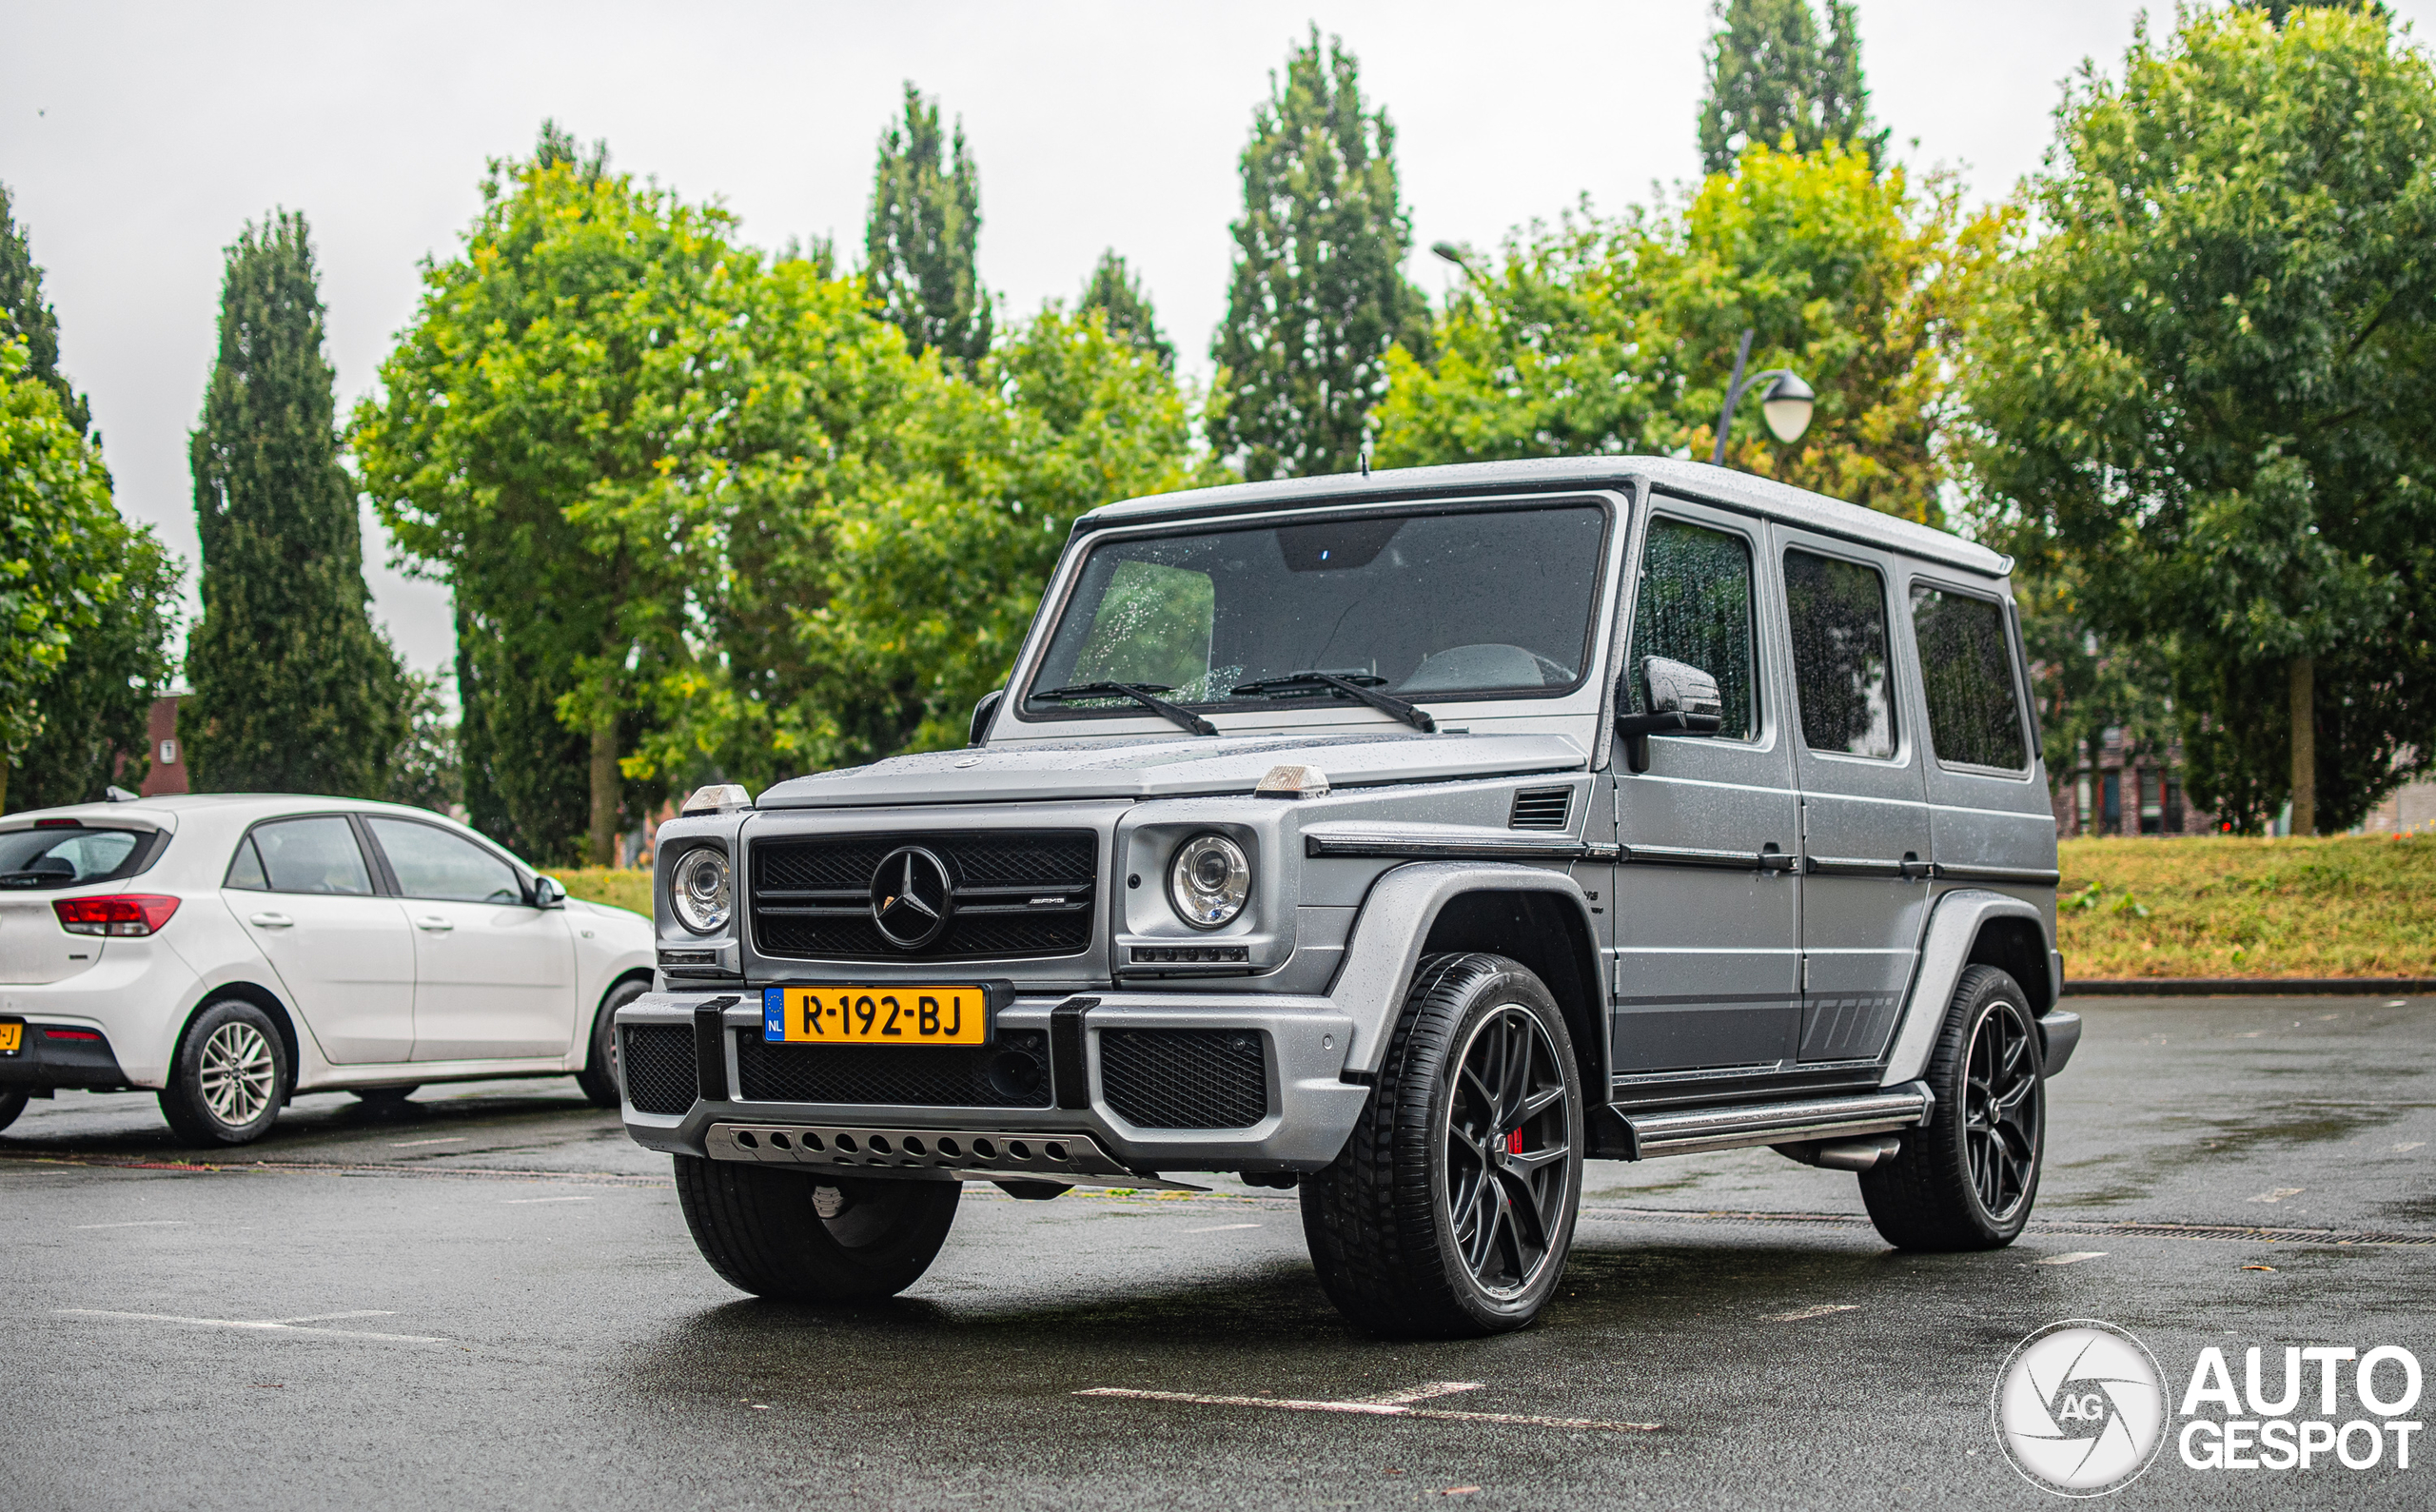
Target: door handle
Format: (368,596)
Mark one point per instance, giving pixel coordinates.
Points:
(270,921)
(434,923)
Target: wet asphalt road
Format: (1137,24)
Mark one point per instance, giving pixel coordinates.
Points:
(490,1299)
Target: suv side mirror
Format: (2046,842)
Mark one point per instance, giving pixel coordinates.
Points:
(1683,700)
(548,894)
(982,713)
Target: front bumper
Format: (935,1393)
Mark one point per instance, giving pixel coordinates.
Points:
(1310,1109)
(53,1055)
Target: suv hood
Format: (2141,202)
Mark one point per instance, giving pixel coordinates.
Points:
(1191,766)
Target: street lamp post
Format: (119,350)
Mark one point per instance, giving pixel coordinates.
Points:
(1785,406)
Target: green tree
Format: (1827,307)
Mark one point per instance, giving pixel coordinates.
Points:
(1318,293)
(95,706)
(54,507)
(2201,390)
(1600,337)
(1117,295)
(27,316)
(1772,76)
(295,690)
(920,246)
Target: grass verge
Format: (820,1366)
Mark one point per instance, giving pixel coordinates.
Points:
(2230,906)
(619,886)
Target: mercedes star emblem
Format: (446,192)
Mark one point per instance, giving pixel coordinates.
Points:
(910,898)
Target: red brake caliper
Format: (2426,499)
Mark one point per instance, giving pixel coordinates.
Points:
(1514,1142)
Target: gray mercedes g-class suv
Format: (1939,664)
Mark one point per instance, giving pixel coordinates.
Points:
(1408,839)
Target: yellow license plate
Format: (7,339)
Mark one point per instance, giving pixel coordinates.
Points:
(875,1015)
(11,1036)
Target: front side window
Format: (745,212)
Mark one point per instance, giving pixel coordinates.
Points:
(43,858)
(1694,607)
(432,863)
(302,855)
(1966,670)
(1486,603)
(1841,673)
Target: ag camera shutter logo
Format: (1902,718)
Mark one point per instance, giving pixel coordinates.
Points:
(2080,1408)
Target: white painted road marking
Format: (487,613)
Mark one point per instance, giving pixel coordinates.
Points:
(2409,1144)
(1424,1392)
(1217,1228)
(1367,1409)
(2278,1194)
(263,1325)
(410,1144)
(2072,1257)
(522,1202)
(1805,1314)
(140,1223)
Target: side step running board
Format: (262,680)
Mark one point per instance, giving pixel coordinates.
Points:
(1686,1132)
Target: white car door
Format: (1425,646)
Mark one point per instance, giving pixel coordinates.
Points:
(494,977)
(304,892)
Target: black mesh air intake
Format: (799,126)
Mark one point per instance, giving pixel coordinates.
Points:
(1011,1073)
(656,1061)
(1017,892)
(1185,1079)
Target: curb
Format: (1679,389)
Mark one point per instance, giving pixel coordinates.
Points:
(2250,986)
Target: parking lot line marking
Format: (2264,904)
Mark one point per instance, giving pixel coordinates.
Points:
(1369,1409)
(258,1326)
(1805,1314)
(333,1317)
(527,1201)
(2278,1194)
(1217,1228)
(140,1223)
(1424,1392)
(2409,1144)
(2071,1257)
(411,1144)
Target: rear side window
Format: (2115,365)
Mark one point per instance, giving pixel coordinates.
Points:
(1975,705)
(1694,607)
(1840,668)
(432,863)
(64,856)
(302,855)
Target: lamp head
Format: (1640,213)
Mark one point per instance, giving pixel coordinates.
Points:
(1786,407)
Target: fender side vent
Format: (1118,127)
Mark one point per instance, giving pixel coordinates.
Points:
(1541,809)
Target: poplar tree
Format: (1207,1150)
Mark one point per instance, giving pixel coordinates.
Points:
(1117,295)
(1319,293)
(920,244)
(27,316)
(1771,74)
(294,689)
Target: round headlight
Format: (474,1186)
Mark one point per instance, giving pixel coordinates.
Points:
(700,889)
(1209,881)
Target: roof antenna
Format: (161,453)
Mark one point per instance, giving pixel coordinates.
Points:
(114,794)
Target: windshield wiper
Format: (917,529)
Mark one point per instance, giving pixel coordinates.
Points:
(1361,687)
(1145,694)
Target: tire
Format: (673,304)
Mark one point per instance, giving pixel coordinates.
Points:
(384,1097)
(1449,1212)
(13,1101)
(763,1229)
(598,1077)
(229,1078)
(1969,1179)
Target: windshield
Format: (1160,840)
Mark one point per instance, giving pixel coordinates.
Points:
(1484,604)
(52,857)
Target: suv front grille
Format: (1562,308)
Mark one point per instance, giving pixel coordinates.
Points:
(656,1061)
(1014,893)
(1011,1073)
(1185,1079)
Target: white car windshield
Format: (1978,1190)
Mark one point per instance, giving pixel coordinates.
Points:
(1462,605)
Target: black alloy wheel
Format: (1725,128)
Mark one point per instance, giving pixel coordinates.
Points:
(1509,1139)
(1969,1178)
(598,1077)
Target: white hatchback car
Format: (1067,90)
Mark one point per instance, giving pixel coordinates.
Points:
(232,949)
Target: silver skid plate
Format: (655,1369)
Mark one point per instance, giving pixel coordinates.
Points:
(1075,1159)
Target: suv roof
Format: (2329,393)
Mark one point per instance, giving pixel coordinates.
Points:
(1695,481)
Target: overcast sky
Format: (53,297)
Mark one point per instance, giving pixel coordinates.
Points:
(138,139)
